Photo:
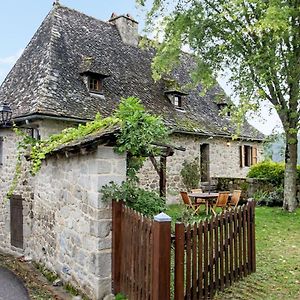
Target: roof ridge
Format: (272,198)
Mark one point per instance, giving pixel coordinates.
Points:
(60,6)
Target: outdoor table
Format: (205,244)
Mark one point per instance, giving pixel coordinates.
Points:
(208,197)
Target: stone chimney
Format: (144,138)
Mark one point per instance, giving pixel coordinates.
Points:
(127,27)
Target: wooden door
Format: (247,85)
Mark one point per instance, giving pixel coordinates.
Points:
(204,162)
(16,221)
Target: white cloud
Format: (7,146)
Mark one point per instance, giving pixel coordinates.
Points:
(6,63)
(10,60)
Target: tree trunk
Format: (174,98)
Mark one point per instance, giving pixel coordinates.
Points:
(290,177)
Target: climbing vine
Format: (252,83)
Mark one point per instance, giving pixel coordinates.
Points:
(138,130)
(24,141)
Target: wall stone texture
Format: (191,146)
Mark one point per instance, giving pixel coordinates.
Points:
(24,188)
(72,225)
(224,162)
(66,225)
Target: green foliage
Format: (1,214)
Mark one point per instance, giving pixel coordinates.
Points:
(255,42)
(271,171)
(138,131)
(273,198)
(146,202)
(190,174)
(24,141)
(120,297)
(51,276)
(43,147)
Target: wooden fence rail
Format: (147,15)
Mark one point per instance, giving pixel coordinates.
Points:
(141,254)
(209,256)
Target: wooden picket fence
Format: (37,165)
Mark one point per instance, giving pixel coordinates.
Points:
(209,256)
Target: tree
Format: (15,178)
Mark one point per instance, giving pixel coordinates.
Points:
(256,41)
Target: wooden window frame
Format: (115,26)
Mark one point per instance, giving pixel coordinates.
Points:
(248,155)
(95,84)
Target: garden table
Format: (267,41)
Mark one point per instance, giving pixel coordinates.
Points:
(208,197)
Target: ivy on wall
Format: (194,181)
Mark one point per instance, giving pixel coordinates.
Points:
(138,130)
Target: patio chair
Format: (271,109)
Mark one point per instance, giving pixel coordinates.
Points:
(187,201)
(235,198)
(221,202)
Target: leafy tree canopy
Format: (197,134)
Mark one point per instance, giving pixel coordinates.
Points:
(256,42)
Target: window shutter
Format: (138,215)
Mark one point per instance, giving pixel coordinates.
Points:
(16,221)
(242,157)
(254,155)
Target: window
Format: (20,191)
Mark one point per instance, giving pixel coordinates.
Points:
(95,84)
(248,156)
(223,106)
(177,101)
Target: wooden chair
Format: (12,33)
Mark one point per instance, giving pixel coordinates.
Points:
(221,202)
(235,198)
(187,201)
(200,201)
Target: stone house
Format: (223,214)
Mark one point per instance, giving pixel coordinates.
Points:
(74,67)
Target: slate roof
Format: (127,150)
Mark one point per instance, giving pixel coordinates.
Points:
(47,79)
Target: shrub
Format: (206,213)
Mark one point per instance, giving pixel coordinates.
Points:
(146,202)
(190,174)
(271,171)
(274,198)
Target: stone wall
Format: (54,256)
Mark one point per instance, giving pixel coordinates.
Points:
(24,186)
(224,161)
(66,225)
(71,230)
(7,171)
(48,127)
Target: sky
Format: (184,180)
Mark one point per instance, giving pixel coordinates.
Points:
(19,20)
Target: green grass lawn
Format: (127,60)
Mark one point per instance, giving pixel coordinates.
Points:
(278,257)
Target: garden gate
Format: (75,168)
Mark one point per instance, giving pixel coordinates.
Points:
(207,256)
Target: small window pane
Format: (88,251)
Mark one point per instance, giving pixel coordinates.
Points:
(95,84)
(177,101)
(248,156)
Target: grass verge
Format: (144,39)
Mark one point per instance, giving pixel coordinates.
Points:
(277,253)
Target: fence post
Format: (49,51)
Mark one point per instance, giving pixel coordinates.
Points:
(252,226)
(179,261)
(161,257)
(116,244)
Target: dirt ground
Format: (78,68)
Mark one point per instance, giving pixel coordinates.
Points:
(38,286)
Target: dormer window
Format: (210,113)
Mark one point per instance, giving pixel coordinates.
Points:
(95,84)
(93,75)
(176,98)
(222,106)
